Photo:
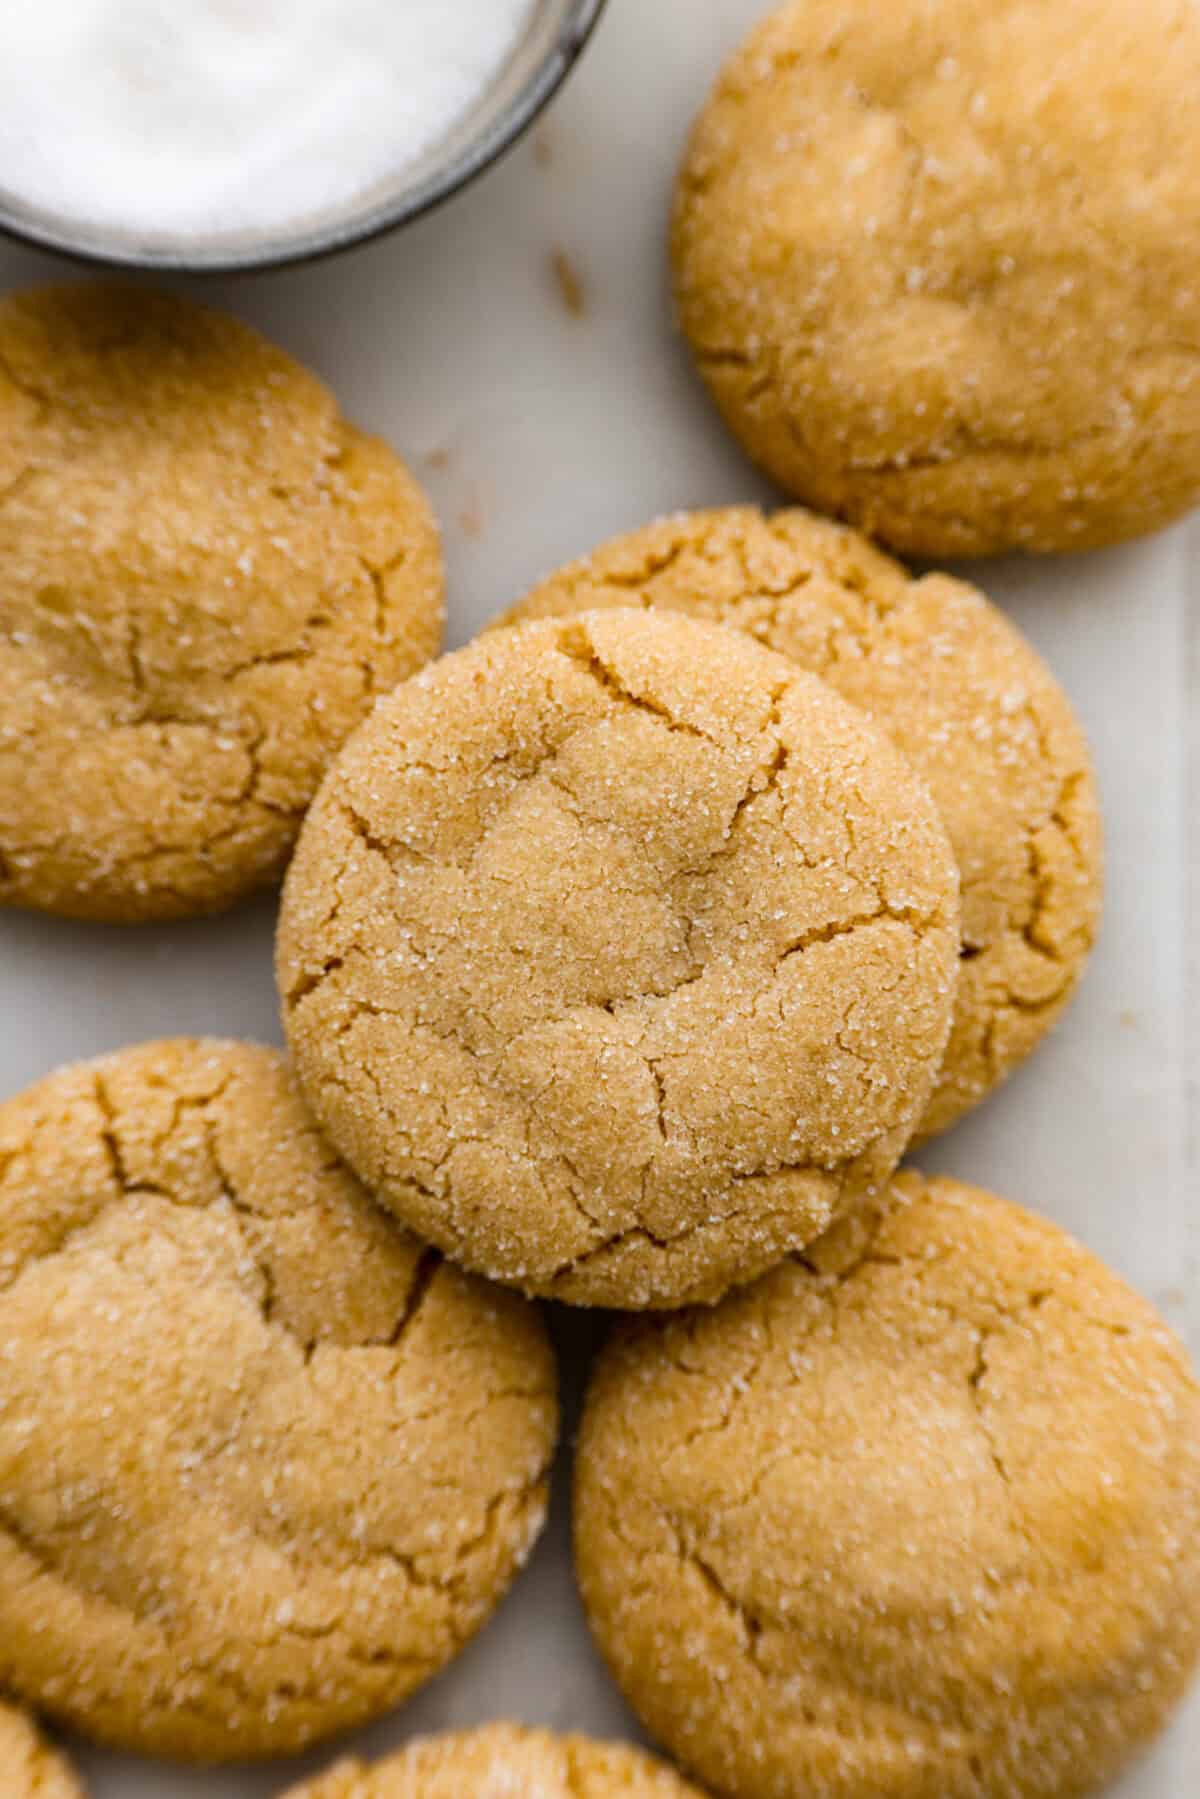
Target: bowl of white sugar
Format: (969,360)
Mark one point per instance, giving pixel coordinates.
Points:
(237,134)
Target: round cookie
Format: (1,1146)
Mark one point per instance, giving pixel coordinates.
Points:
(206,575)
(919,1517)
(502,1761)
(960,693)
(618,956)
(29,1768)
(236,1514)
(937,262)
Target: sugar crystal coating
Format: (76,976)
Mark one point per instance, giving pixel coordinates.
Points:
(939,264)
(960,693)
(265,1463)
(29,1767)
(917,1516)
(502,1761)
(618,957)
(206,575)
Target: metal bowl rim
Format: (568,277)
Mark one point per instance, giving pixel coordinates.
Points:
(579,20)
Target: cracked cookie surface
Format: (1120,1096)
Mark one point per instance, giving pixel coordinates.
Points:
(502,1761)
(206,575)
(917,1516)
(937,263)
(618,956)
(960,693)
(29,1767)
(237,1513)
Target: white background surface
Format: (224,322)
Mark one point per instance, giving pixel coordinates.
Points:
(549,432)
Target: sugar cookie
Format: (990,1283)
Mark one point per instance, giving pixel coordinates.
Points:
(29,1768)
(236,1510)
(920,1519)
(502,1761)
(618,956)
(960,693)
(938,263)
(205,577)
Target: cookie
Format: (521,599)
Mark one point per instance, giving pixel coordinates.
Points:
(918,1517)
(236,1512)
(502,1761)
(29,1768)
(618,957)
(206,575)
(958,690)
(937,262)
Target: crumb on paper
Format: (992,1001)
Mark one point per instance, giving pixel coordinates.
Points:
(439,459)
(1172,1300)
(471,517)
(1129,1020)
(543,147)
(571,288)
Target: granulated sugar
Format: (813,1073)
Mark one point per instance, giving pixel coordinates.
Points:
(178,117)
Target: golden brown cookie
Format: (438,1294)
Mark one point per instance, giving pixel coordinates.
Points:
(917,1517)
(937,261)
(502,1761)
(618,956)
(29,1767)
(206,575)
(237,1508)
(958,690)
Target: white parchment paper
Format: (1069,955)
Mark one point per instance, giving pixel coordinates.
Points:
(539,432)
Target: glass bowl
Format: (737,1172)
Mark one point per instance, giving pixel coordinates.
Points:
(555,36)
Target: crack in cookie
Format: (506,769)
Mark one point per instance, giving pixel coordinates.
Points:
(938,269)
(206,576)
(234,1399)
(960,693)
(917,1512)
(617,986)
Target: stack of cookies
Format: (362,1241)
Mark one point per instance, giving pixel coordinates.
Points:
(623,955)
